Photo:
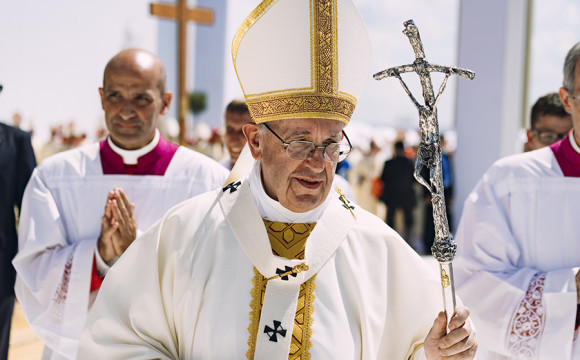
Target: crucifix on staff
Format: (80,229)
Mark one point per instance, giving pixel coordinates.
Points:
(429,153)
(182,14)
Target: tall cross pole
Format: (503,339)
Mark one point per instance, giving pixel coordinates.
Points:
(429,154)
(182,14)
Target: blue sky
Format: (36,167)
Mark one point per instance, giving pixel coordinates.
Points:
(53,53)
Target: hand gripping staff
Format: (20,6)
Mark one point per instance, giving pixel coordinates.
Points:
(429,154)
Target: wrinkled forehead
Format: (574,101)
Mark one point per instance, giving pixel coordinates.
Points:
(135,79)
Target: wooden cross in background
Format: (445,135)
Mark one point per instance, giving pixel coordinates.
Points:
(182,14)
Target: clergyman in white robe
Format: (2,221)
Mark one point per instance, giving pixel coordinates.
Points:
(61,222)
(365,295)
(519,252)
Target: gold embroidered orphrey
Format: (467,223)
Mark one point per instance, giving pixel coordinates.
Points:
(323,98)
(289,241)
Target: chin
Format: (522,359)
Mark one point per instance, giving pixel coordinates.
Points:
(304,203)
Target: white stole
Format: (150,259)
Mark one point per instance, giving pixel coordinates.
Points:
(280,299)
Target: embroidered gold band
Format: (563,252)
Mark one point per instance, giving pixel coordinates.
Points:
(324,48)
(305,105)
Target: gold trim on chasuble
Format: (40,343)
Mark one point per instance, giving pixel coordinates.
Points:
(323,99)
(288,241)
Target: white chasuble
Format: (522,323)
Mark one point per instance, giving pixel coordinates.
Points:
(373,297)
(61,221)
(519,251)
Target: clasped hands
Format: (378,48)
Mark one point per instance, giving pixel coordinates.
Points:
(118,226)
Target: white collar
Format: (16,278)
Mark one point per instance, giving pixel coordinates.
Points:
(573,142)
(130,157)
(272,210)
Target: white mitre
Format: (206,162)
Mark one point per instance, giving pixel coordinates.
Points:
(302,59)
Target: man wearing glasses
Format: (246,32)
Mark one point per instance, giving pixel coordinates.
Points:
(281,265)
(549,123)
(519,248)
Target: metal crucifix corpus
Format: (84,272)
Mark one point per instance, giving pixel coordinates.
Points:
(182,14)
(429,154)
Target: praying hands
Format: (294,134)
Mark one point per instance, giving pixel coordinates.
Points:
(118,226)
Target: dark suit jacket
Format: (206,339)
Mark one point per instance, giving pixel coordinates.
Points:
(398,182)
(16,164)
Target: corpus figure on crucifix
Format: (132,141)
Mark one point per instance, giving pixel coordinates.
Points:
(429,154)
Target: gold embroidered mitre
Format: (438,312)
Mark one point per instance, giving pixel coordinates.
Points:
(302,59)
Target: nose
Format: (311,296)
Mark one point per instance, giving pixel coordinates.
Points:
(316,161)
(127,110)
(238,139)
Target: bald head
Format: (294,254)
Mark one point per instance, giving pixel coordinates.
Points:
(134,97)
(137,61)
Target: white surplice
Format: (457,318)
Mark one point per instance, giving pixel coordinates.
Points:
(61,221)
(519,250)
(375,298)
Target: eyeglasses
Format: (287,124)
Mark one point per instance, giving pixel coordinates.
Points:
(302,150)
(548,137)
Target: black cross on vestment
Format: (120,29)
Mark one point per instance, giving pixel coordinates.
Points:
(288,269)
(345,203)
(232,186)
(275,331)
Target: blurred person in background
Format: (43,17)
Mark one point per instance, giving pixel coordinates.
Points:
(398,188)
(16,165)
(549,122)
(237,115)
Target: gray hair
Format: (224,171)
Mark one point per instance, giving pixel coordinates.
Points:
(570,67)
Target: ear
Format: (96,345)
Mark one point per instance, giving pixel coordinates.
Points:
(255,141)
(102,94)
(166,102)
(530,136)
(564,96)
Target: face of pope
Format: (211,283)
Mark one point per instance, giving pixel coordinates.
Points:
(133,99)
(299,185)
